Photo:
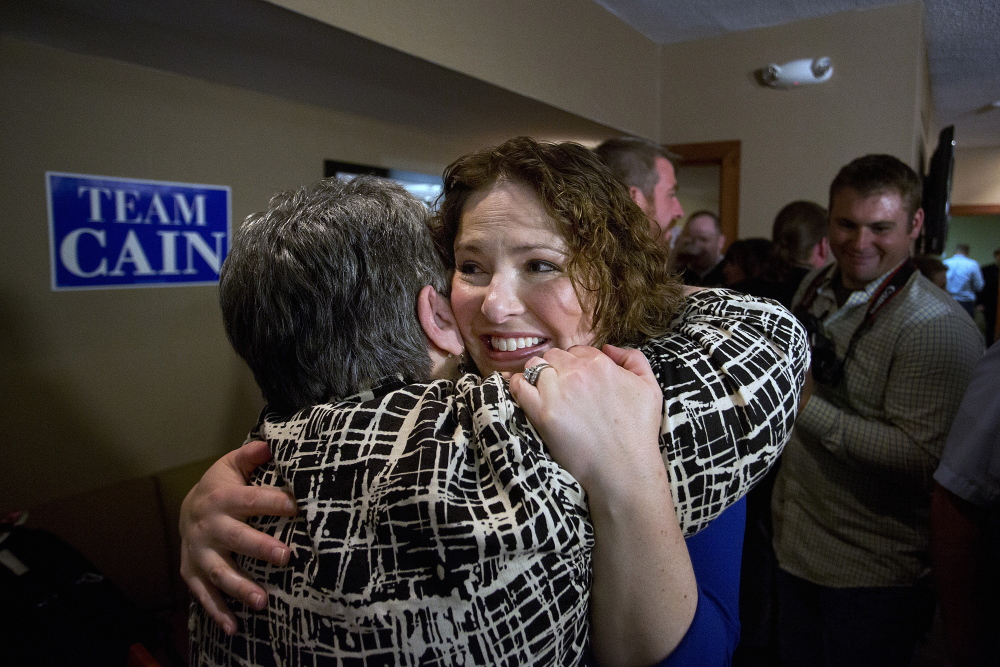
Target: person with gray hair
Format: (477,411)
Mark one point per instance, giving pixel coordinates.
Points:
(647,170)
(357,252)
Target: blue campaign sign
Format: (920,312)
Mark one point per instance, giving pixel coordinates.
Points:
(115,232)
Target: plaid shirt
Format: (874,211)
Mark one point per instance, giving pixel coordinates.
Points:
(436,530)
(852,499)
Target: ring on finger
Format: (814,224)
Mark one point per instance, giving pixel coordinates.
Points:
(531,374)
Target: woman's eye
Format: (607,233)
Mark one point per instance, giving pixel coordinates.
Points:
(540,266)
(469,268)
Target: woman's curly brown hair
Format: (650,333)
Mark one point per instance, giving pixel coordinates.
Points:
(614,263)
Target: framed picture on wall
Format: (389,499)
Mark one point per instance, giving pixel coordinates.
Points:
(424,187)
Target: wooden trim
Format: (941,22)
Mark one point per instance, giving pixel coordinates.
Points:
(726,154)
(710,152)
(983,209)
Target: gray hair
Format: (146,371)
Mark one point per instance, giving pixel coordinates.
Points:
(319,292)
(633,161)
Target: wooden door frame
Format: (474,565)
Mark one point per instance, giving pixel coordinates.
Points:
(974,209)
(726,154)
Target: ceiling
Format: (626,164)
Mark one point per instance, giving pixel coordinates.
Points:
(963,45)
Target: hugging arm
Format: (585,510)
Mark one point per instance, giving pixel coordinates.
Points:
(716,557)
(732,369)
(212,526)
(599,415)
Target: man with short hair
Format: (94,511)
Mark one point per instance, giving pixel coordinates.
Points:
(647,170)
(799,234)
(990,295)
(699,250)
(964,279)
(965,523)
(892,355)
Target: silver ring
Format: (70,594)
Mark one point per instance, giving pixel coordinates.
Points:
(531,374)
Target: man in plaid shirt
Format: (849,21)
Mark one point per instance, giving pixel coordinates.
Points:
(892,355)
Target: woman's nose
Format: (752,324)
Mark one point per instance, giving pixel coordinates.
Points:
(501,300)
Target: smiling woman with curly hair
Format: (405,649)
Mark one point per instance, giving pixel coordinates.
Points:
(617,271)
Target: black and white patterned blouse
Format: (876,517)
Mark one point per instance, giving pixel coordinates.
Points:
(435,529)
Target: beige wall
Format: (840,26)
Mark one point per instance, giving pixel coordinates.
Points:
(794,141)
(571,54)
(976,180)
(105,385)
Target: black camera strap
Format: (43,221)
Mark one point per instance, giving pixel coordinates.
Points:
(889,288)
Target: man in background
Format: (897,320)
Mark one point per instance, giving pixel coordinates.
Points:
(892,355)
(699,250)
(799,235)
(646,170)
(965,279)
(934,269)
(965,523)
(987,298)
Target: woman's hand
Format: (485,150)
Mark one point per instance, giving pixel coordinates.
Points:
(600,415)
(212,527)
(598,412)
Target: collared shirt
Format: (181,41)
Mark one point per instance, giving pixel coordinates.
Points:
(970,464)
(435,529)
(851,501)
(965,278)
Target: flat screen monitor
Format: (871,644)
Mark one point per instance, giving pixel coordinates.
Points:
(937,195)
(424,187)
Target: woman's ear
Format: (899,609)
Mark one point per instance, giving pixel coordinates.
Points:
(438,322)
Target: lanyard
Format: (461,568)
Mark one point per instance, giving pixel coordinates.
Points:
(889,288)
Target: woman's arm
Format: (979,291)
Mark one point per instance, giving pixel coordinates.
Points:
(599,415)
(716,556)
(212,527)
(732,369)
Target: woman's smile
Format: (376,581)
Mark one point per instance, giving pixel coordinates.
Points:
(511,344)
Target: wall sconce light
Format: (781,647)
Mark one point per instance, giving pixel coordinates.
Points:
(797,73)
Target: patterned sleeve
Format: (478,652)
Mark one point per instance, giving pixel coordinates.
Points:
(731,370)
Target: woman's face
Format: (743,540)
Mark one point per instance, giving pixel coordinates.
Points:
(511,294)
